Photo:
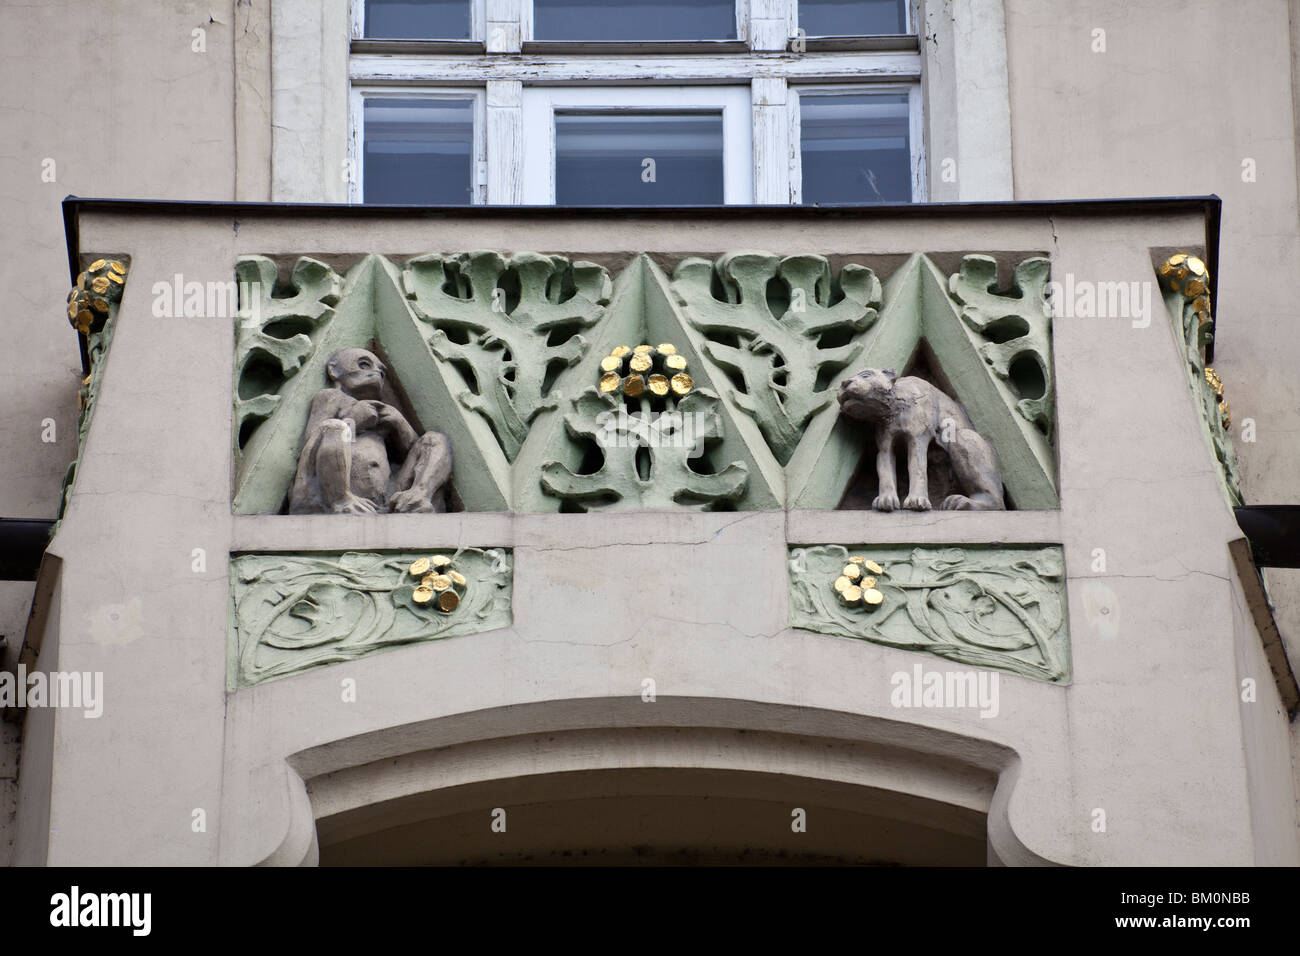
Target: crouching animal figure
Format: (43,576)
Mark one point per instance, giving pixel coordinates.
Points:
(360,455)
(914,410)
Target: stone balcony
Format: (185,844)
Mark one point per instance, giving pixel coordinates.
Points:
(642,625)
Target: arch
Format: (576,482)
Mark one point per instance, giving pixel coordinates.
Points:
(676,780)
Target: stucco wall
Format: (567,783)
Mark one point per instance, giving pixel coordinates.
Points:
(115,95)
(1153,703)
(1183,95)
(101,98)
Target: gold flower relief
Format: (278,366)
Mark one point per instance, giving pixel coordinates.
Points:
(295,612)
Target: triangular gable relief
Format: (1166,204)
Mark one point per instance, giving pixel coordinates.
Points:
(509,327)
(372,313)
(480,473)
(454,328)
(827,458)
(969,362)
(548,440)
(269,456)
(741,438)
(1012,330)
(776,332)
(586,467)
(920,320)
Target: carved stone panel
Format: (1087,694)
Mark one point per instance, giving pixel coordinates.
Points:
(503,356)
(292,612)
(997,607)
(509,324)
(1016,329)
(781,328)
(277,332)
(655,431)
(1186,284)
(93,304)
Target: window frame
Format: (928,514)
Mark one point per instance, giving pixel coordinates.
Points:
(530,43)
(356,158)
(909,24)
(541,103)
(915,130)
(477,26)
(961,64)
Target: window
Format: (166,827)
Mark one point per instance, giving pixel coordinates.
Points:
(647,146)
(833,18)
(417,19)
(417,149)
(617,158)
(858,145)
(634,20)
(635,102)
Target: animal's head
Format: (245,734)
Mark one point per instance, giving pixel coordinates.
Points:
(869,395)
(357,372)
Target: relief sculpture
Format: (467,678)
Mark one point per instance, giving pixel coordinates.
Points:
(913,412)
(360,455)
(296,612)
(1002,608)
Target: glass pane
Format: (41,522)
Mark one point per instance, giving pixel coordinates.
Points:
(417,19)
(647,20)
(838,18)
(855,148)
(419,151)
(645,159)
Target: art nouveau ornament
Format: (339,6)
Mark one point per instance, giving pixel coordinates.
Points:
(360,455)
(913,412)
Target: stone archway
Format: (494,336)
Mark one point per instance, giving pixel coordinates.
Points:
(708,782)
(656,816)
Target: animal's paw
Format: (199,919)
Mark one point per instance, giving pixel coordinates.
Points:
(957,503)
(354,505)
(886,502)
(411,500)
(917,503)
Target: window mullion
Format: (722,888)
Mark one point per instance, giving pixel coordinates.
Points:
(795,132)
(916,138)
(505,142)
(357,15)
(525,20)
(504,26)
(771,24)
(354,171)
(771,136)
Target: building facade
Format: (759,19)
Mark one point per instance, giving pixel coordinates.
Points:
(638,588)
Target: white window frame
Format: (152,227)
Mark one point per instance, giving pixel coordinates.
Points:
(909,23)
(960,64)
(356,132)
(541,103)
(915,130)
(741,8)
(477,22)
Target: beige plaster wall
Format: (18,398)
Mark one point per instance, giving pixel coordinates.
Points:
(103,98)
(115,95)
(1151,730)
(1184,93)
